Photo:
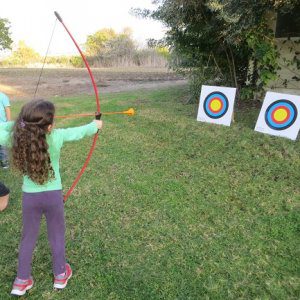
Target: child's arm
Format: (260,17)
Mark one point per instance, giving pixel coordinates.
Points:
(77,133)
(7,126)
(6,105)
(8,113)
(5,132)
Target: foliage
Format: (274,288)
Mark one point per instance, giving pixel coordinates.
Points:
(5,39)
(159,48)
(58,60)
(23,55)
(168,208)
(77,62)
(151,57)
(121,45)
(96,43)
(106,42)
(218,39)
(163,51)
(65,61)
(106,48)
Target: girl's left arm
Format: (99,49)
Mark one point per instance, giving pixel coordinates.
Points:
(77,133)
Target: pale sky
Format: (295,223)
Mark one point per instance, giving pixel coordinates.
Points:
(33,21)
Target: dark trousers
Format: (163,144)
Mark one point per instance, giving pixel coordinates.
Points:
(3,154)
(4,191)
(34,206)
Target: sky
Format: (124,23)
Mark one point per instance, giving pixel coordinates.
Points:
(33,20)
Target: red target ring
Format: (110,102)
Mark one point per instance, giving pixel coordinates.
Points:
(283,111)
(216,105)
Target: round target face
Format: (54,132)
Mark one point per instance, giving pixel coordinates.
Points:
(215,105)
(281,114)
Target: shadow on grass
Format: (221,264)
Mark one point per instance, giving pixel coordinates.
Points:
(246,117)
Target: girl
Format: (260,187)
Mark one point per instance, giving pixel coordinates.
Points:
(35,152)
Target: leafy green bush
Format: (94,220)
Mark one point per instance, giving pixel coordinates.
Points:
(219,39)
(76,61)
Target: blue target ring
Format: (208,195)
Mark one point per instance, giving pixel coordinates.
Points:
(281,114)
(215,105)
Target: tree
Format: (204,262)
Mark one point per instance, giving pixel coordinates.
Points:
(5,40)
(23,55)
(122,44)
(214,40)
(96,44)
(107,48)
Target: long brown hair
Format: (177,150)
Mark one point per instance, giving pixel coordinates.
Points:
(30,148)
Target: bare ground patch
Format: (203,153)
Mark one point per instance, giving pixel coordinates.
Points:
(20,84)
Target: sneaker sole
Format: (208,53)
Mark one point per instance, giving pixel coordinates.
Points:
(21,293)
(61,286)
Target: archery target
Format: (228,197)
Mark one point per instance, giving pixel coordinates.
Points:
(216,105)
(279,115)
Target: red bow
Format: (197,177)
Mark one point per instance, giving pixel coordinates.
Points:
(98,114)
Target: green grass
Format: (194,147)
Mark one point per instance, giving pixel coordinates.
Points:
(169,208)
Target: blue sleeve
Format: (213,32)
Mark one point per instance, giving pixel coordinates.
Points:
(77,133)
(5,100)
(60,136)
(5,133)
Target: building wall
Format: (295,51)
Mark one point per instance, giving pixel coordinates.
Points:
(289,75)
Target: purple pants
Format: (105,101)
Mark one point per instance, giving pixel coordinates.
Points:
(34,206)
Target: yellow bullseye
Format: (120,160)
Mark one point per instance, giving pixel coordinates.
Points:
(280,115)
(215,105)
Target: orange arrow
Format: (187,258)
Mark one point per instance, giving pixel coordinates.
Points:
(129,112)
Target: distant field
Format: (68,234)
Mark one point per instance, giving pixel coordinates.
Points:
(21,83)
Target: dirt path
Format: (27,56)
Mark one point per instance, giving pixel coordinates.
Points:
(20,84)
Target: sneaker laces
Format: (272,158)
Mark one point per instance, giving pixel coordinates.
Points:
(61,276)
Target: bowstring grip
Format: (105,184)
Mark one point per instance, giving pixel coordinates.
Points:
(98,116)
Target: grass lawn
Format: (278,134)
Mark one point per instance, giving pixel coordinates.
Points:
(169,208)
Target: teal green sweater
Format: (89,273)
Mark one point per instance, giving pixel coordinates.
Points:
(55,140)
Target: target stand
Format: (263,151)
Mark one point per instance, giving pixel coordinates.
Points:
(216,105)
(279,115)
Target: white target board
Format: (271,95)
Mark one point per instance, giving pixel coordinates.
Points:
(216,104)
(279,115)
